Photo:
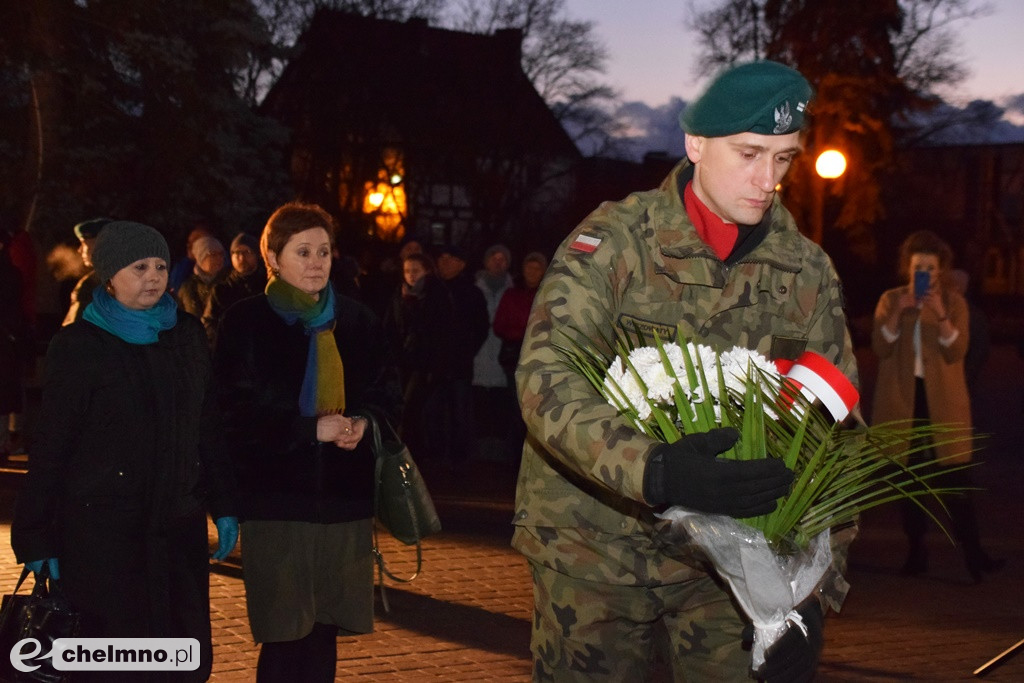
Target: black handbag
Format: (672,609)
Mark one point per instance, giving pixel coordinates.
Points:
(402,504)
(45,615)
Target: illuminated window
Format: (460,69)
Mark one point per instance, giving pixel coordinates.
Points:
(385,199)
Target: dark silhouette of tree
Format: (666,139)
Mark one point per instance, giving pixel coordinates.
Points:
(286,20)
(562,58)
(129,108)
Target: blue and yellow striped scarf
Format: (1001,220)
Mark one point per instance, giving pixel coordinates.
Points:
(323,385)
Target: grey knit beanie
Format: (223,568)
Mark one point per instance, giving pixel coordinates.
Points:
(245,239)
(122,243)
(204,246)
(494,248)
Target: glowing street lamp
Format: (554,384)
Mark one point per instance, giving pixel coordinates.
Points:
(830,164)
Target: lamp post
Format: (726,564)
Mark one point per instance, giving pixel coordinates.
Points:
(829,165)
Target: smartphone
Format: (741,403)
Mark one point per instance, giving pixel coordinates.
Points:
(922,281)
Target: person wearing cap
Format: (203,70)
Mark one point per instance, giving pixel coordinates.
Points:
(81,295)
(126,461)
(195,291)
(247,278)
(710,255)
(453,408)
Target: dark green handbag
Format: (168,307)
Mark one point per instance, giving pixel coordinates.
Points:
(402,503)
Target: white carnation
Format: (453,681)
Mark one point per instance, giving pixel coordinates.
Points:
(622,389)
(649,365)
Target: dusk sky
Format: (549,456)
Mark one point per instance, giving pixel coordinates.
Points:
(651,49)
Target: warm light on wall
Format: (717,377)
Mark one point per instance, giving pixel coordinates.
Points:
(387,203)
(830,164)
(384,198)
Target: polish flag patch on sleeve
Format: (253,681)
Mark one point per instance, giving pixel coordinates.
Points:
(585,243)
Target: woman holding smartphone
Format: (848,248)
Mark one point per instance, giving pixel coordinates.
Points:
(920,336)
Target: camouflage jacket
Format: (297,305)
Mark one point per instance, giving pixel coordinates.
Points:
(581,479)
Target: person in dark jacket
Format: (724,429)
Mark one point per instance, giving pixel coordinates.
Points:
(13,335)
(514,311)
(248,277)
(297,367)
(81,295)
(209,270)
(453,407)
(126,461)
(510,327)
(419,325)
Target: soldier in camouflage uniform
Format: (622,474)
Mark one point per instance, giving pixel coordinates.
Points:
(713,251)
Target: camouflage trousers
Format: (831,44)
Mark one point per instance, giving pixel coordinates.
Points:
(589,631)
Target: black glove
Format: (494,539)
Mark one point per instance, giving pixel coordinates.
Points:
(794,656)
(689,473)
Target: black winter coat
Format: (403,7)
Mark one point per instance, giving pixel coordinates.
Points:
(284,472)
(420,328)
(125,463)
(124,426)
(470,324)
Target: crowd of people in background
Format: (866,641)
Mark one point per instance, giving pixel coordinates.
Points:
(173,389)
(454,319)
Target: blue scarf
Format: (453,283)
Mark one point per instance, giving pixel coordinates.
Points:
(134,327)
(323,384)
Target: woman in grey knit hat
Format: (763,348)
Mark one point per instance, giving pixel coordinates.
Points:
(125,465)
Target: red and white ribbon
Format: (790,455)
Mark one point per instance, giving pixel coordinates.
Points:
(819,380)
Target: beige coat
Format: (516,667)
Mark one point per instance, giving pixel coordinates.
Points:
(944,381)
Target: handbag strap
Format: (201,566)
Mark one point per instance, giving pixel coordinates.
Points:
(382,568)
(24,575)
(39,589)
(44,582)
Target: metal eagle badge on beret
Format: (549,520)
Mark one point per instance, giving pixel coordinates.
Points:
(784,117)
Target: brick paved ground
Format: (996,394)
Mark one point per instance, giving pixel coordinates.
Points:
(467,616)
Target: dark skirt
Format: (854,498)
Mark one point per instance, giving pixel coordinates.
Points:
(298,573)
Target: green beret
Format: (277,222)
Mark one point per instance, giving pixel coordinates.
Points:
(760,97)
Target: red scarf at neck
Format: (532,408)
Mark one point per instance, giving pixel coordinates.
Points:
(711,229)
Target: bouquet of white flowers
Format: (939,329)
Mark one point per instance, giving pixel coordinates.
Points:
(788,410)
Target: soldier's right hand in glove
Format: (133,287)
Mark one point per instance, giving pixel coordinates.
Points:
(690,473)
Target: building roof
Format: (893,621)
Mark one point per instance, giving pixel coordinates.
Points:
(356,80)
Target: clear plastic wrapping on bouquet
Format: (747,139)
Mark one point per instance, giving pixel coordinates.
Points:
(768,585)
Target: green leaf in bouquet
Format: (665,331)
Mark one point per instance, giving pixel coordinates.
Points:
(840,472)
(704,410)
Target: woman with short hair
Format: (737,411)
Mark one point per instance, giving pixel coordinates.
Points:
(920,336)
(298,367)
